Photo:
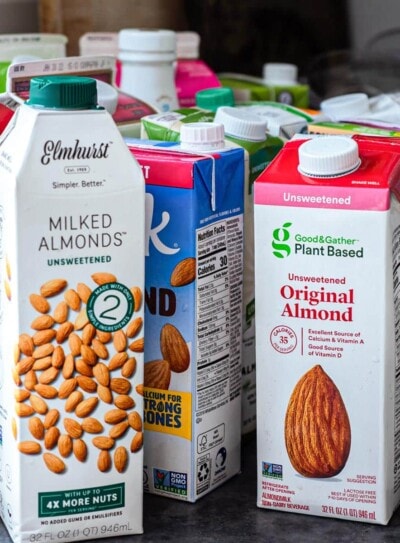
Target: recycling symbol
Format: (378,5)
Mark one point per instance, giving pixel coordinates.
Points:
(203,472)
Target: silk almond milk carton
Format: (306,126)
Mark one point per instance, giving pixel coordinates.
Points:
(71,319)
(193,308)
(327,231)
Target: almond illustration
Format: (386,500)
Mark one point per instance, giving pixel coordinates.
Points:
(38,404)
(157,374)
(24,410)
(118,429)
(60,314)
(101,278)
(174,348)
(120,385)
(101,374)
(43,336)
(113,416)
(83,291)
(73,428)
(79,449)
(134,327)
(119,341)
(86,407)
(135,421)
(137,297)
(26,344)
(120,459)
(64,445)
(103,442)
(36,427)
(29,447)
(317,427)
(42,323)
(53,287)
(54,463)
(51,437)
(92,426)
(75,398)
(51,418)
(184,272)
(64,331)
(39,303)
(73,299)
(104,461)
(67,387)
(123,401)
(137,442)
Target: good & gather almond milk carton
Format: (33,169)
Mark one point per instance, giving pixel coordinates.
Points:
(71,319)
(194,276)
(327,238)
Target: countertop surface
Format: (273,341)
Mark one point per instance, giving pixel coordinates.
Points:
(229,513)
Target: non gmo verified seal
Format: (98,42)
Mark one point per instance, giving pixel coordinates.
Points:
(110,307)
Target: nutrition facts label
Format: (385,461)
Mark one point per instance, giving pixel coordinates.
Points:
(219,308)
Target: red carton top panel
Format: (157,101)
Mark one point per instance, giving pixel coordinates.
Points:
(367,188)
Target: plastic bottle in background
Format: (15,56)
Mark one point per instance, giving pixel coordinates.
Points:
(147,71)
(212,99)
(249,131)
(101,43)
(281,77)
(191,73)
(45,46)
(72,202)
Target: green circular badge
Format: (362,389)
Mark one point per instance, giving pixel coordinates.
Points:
(110,307)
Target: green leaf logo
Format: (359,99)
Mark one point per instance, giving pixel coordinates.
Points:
(280,237)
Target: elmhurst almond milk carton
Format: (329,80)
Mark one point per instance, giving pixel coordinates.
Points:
(327,231)
(71,319)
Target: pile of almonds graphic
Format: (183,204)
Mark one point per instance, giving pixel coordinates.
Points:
(174,350)
(317,427)
(65,369)
(175,354)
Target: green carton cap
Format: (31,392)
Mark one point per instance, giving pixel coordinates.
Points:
(212,99)
(63,92)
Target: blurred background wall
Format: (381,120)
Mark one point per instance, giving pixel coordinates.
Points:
(333,42)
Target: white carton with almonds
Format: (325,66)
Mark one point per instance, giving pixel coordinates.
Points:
(327,219)
(71,319)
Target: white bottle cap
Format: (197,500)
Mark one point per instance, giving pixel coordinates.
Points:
(141,44)
(280,73)
(107,96)
(241,124)
(346,106)
(328,156)
(187,45)
(202,136)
